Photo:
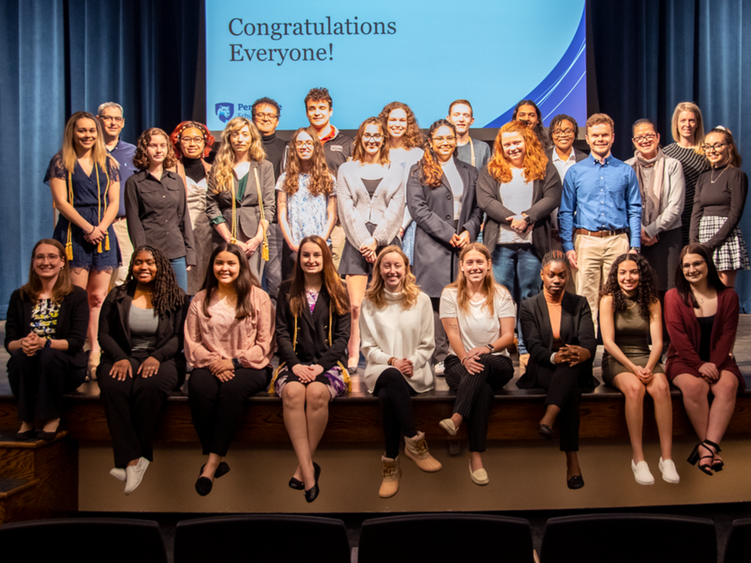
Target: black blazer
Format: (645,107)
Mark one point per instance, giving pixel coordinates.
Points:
(576,328)
(578,155)
(72,322)
(312,332)
(546,196)
(114,330)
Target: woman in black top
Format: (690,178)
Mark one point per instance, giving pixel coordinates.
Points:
(44,335)
(718,206)
(312,331)
(141,335)
(156,205)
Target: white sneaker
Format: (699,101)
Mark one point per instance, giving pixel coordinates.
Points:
(641,473)
(118,473)
(439,368)
(669,473)
(134,474)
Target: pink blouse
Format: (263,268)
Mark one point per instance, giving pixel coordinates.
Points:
(222,336)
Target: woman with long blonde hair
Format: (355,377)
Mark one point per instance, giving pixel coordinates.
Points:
(478,316)
(85,184)
(240,199)
(396,326)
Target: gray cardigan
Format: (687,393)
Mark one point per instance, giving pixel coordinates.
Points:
(356,207)
(673,198)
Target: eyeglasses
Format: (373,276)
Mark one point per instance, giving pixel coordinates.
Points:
(194,140)
(717,147)
(302,144)
(111,118)
(369,137)
(49,257)
(269,116)
(449,139)
(694,265)
(645,138)
(563,132)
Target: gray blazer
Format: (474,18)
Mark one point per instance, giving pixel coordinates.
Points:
(219,205)
(355,206)
(546,196)
(436,261)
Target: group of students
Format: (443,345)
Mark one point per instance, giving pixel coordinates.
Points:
(419,288)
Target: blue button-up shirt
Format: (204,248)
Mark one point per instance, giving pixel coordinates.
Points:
(123,153)
(600,197)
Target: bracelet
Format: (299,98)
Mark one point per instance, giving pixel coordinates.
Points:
(391,361)
(92,230)
(552,358)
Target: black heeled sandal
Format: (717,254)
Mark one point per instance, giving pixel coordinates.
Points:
(695,456)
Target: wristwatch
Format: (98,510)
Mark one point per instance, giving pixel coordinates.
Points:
(635,249)
(48,343)
(490,347)
(236,363)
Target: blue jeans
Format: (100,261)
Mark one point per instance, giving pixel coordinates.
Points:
(517,268)
(181,272)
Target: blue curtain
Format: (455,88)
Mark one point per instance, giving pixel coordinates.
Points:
(61,56)
(652,54)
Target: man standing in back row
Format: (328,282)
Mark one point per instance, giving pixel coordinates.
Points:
(600,213)
(474,153)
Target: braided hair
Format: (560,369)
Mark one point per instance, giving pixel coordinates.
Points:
(554,256)
(166,295)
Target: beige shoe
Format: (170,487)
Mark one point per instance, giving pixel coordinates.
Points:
(523,361)
(479,476)
(391,475)
(416,449)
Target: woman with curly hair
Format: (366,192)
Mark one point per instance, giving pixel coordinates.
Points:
(405,142)
(312,330)
(397,342)
(478,316)
(518,190)
(629,313)
(141,334)
(44,335)
(192,142)
(156,206)
(85,185)
(371,206)
(702,319)
(229,341)
(240,200)
(441,200)
(306,196)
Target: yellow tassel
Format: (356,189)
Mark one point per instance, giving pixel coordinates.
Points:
(99,247)
(69,251)
(106,241)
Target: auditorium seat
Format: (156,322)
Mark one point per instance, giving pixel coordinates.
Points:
(738,547)
(84,540)
(625,538)
(445,537)
(263,537)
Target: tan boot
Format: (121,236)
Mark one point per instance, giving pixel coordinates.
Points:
(391,475)
(523,361)
(416,449)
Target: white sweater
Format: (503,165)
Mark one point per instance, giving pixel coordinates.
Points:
(394,332)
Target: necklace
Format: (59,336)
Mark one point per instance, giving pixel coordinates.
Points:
(712,178)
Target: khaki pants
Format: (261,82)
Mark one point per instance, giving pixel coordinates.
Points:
(595,255)
(337,244)
(126,251)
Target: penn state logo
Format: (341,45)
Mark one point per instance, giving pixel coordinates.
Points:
(225,111)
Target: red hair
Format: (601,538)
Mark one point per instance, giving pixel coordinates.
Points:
(208,138)
(535,161)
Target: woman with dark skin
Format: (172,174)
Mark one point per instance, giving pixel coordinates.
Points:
(141,334)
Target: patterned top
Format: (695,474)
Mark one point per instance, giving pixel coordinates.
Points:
(693,165)
(312,297)
(306,214)
(222,336)
(44,318)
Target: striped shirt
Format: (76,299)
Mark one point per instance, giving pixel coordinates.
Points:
(693,166)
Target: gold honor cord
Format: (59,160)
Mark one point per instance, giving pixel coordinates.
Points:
(265,249)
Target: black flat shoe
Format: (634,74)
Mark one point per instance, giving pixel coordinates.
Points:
(203,486)
(49,436)
(28,435)
(296,484)
(221,470)
(576,482)
(312,493)
(545,431)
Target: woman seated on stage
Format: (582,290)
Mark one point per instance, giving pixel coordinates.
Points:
(312,331)
(560,338)
(702,319)
(371,208)
(141,335)
(306,196)
(229,341)
(396,324)
(156,204)
(630,312)
(479,317)
(44,334)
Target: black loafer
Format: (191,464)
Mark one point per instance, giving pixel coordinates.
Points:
(576,482)
(545,431)
(296,484)
(312,493)
(221,470)
(203,486)
(28,435)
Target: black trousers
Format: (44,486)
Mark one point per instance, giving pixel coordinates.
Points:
(38,382)
(474,393)
(564,392)
(132,407)
(217,407)
(395,396)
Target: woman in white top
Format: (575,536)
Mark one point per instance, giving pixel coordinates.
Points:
(371,207)
(405,140)
(397,341)
(306,196)
(478,316)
